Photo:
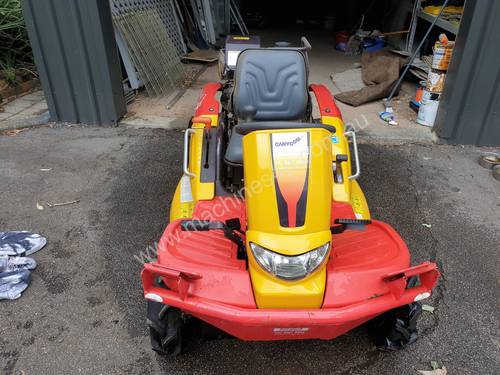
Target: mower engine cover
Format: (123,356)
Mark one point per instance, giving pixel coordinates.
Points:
(237,43)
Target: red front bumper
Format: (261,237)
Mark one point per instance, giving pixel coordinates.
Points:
(263,324)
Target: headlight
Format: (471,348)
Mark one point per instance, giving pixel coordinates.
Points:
(290,267)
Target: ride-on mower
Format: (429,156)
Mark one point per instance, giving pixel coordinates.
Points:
(270,235)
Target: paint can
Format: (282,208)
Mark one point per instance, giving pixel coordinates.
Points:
(442,55)
(435,81)
(428,109)
(427,95)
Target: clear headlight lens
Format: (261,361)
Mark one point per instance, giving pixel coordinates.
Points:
(290,267)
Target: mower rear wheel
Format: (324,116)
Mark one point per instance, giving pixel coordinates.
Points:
(165,328)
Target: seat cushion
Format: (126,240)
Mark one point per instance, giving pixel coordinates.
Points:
(274,82)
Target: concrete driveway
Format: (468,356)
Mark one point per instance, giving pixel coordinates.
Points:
(84,312)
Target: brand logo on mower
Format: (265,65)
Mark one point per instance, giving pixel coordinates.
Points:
(289,143)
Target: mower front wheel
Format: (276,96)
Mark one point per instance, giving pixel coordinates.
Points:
(165,328)
(397,328)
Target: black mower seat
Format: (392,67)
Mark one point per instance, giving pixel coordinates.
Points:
(234,152)
(274,82)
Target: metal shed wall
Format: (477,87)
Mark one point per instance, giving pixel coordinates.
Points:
(77,59)
(469,112)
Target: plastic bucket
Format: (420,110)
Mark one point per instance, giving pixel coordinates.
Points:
(428,109)
(341,39)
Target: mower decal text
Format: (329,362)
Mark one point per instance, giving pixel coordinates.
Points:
(290,331)
(291,143)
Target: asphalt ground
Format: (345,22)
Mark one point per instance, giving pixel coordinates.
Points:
(84,311)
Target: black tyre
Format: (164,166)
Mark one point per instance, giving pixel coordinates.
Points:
(165,328)
(396,328)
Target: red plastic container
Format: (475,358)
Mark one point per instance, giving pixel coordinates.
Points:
(341,39)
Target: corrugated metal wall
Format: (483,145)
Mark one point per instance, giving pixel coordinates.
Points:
(469,112)
(76,56)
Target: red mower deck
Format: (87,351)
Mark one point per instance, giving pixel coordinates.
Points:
(367,274)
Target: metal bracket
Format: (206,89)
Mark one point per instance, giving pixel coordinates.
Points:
(186,153)
(352,134)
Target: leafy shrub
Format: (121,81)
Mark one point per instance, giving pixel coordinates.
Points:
(15,50)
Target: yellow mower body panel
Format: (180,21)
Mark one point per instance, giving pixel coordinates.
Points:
(349,190)
(288,179)
(190,189)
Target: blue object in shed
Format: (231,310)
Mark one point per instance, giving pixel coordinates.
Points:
(373,44)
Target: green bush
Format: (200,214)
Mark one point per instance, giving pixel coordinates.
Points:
(15,50)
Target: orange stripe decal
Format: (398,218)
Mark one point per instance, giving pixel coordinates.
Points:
(290,152)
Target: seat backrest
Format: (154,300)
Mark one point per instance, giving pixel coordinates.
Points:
(274,82)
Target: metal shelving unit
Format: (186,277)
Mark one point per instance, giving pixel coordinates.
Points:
(420,14)
(445,25)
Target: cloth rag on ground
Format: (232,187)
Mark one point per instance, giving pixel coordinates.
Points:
(13,283)
(348,80)
(12,291)
(15,270)
(16,263)
(16,243)
(380,71)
